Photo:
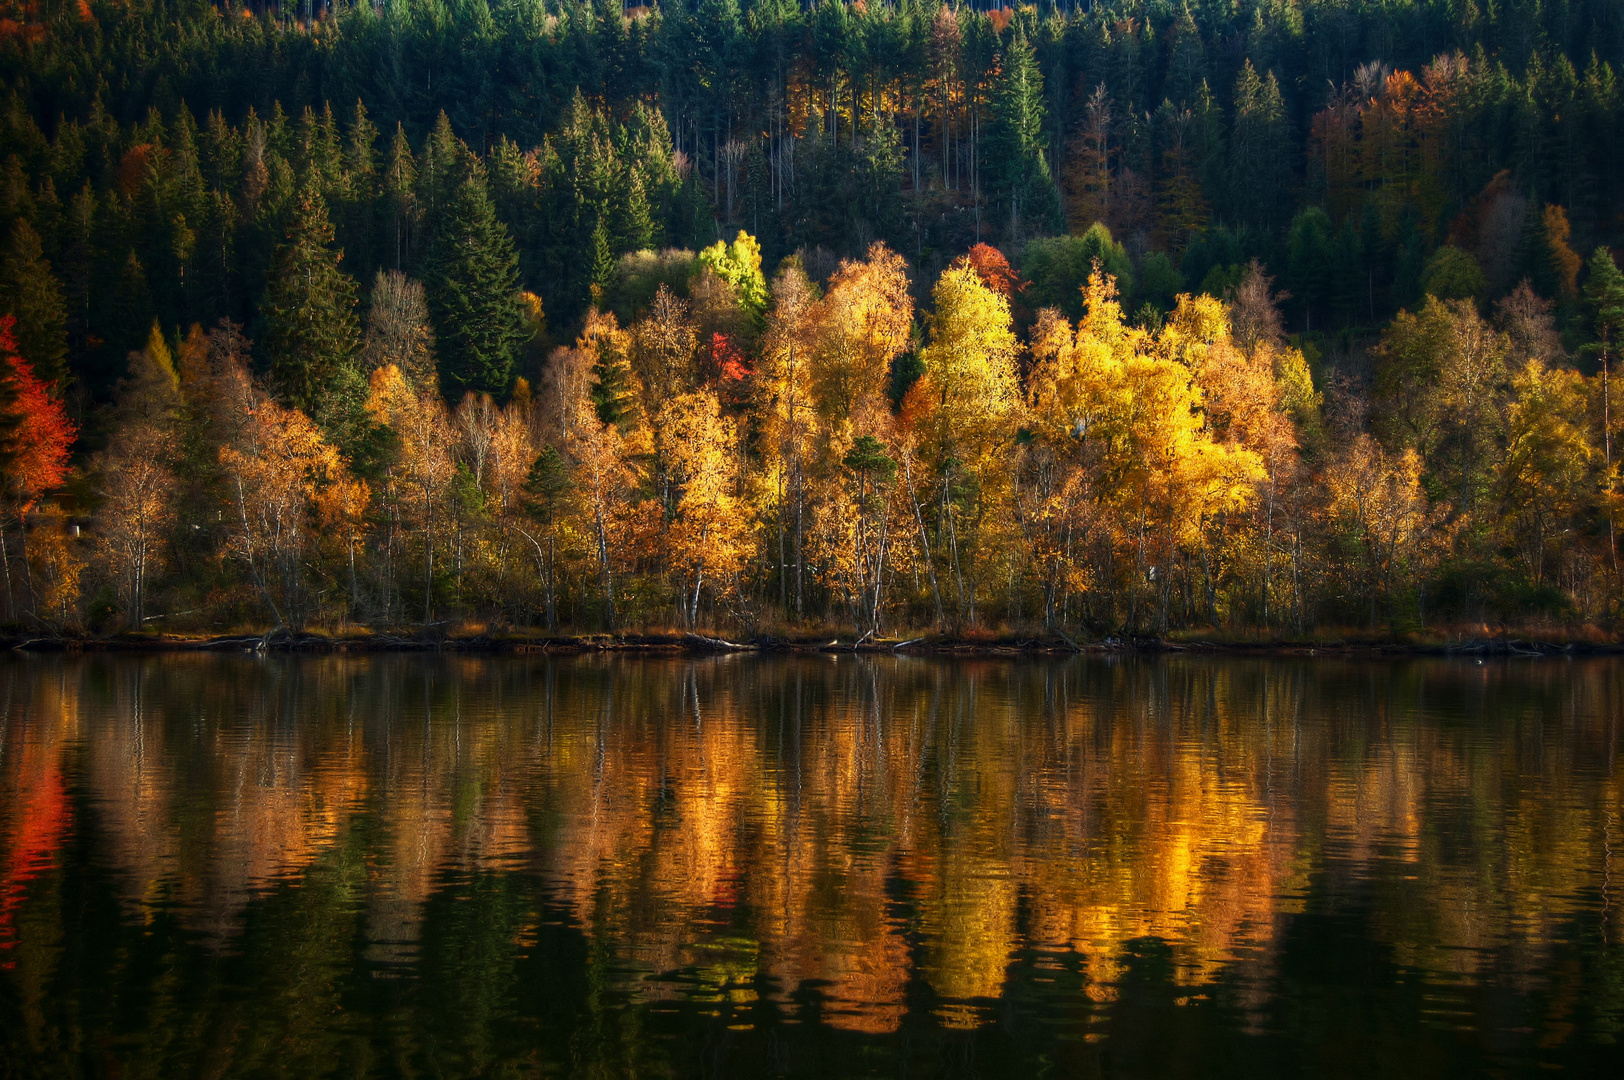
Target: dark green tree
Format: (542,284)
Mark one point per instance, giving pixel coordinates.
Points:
(1311,262)
(32,293)
(400,195)
(614,390)
(604,265)
(311,331)
(472,283)
(1259,149)
(1017,146)
(634,227)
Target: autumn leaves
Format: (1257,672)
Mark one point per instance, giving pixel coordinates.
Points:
(1006,481)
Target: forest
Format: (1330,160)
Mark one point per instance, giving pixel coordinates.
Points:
(1106,318)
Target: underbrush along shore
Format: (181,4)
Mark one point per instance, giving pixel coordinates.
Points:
(937,644)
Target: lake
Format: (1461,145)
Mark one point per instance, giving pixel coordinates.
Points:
(817,866)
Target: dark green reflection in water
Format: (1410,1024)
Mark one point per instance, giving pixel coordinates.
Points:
(229,867)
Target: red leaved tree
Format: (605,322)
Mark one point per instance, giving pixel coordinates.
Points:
(35,438)
(993,269)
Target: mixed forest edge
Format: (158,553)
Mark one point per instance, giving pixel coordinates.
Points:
(715,325)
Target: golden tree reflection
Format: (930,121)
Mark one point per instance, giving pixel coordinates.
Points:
(845,827)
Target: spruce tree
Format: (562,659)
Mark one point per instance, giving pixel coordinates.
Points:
(473,284)
(1018,147)
(399,194)
(441,170)
(312,332)
(360,165)
(613,390)
(1604,296)
(604,265)
(1260,170)
(31,292)
(635,227)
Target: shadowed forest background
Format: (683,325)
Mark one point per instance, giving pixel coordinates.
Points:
(1113,317)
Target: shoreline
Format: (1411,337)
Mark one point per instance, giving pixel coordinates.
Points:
(698,645)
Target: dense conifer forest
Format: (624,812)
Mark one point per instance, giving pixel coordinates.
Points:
(1117,316)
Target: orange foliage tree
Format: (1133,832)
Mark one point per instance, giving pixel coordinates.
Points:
(35,437)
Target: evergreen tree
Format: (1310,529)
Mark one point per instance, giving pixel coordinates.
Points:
(31,292)
(635,227)
(312,331)
(120,320)
(1310,265)
(546,484)
(1186,63)
(445,164)
(1017,146)
(1543,255)
(1259,168)
(604,266)
(360,166)
(1604,296)
(473,284)
(399,193)
(614,387)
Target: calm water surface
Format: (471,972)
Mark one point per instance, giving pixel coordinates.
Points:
(819,867)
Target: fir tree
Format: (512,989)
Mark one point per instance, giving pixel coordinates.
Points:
(360,167)
(473,282)
(31,292)
(614,389)
(635,228)
(1259,169)
(1018,147)
(545,485)
(604,266)
(312,332)
(445,164)
(399,193)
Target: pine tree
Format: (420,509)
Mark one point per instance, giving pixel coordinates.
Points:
(1310,262)
(635,228)
(445,164)
(1186,63)
(604,266)
(1259,169)
(312,332)
(31,292)
(399,193)
(360,167)
(473,282)
(1017,146)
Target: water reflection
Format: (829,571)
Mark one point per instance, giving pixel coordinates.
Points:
(826,865)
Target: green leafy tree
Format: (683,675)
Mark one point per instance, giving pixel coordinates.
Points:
(739,264)
(1058,268)
(1452,274)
